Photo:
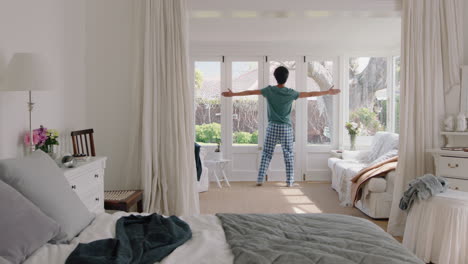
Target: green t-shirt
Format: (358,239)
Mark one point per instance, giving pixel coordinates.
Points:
(280,102)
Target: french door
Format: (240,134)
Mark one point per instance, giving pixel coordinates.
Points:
(239,123)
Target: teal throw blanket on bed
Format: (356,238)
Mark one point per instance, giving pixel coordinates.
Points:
(139,239)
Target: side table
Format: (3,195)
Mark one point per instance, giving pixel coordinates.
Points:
(217,167)
(437,228)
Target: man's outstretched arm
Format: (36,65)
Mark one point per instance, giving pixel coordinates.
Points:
(321,93)
(229,93)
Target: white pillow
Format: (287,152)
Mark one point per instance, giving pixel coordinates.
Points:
(23,227)
(381,144)
(38,178)
(350,155)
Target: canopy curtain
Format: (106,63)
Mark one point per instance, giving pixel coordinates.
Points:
(431,55)
(161,155)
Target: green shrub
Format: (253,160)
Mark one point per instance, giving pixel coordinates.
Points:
(368,119)
(242,137)
(208,133)
(254,138)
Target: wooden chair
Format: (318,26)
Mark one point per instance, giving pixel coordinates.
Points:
(78,137)
(113,200)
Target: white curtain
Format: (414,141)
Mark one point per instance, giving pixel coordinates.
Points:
(162,153)
(431,56)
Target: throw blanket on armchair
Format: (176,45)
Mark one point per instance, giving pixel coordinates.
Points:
(139,239)
(370,172)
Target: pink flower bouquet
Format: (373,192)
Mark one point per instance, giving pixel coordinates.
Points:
(43,138)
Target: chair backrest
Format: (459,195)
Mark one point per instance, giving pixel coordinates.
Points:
(83,141)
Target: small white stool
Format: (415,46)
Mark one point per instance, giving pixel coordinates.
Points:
(218,166)
(437,228)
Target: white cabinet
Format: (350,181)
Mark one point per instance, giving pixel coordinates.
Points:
(87,180)
(452,165)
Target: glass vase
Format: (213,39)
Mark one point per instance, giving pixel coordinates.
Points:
(352,138)
(52,151)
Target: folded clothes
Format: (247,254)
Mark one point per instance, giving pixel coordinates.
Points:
(422,188)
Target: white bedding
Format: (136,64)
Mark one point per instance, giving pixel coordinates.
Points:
(208,243)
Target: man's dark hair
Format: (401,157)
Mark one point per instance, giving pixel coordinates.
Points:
(281,74)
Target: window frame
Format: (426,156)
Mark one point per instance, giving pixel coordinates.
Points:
(340,138)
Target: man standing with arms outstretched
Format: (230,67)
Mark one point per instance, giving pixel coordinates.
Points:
(280,100)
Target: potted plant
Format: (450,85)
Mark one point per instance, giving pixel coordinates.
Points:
(353,129)
(44,139)
(217,153)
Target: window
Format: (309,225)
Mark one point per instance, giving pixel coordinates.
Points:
(319,109)
(245,109)
(396,89)
(207,102)
(290,83)
(368,96)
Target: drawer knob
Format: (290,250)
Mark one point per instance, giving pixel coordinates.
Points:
(73,187)
(97,199)
(456,188)
(453,166)
(96,175)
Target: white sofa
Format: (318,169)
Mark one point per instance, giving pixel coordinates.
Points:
(378,192)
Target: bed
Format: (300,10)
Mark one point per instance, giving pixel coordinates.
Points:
(209,244)
(38,227)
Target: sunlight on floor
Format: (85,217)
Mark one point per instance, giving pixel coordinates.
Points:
(300,203)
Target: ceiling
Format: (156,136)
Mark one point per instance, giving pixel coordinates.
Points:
(337,24)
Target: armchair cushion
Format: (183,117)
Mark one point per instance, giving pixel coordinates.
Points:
(377,185)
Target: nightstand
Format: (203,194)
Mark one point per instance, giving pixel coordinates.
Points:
(452,165)
(87,180)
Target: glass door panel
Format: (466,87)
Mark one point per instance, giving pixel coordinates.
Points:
(319,109)
(245,109)
(207,102)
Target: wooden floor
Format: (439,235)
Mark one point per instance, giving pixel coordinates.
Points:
(274,197)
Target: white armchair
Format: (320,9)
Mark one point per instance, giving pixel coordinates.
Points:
(377,193)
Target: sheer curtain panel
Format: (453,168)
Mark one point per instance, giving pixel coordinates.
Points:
(431,55)
(162,151)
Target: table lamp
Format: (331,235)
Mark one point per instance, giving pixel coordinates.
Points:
(27,72)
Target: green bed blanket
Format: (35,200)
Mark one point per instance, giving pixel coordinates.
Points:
(310,238)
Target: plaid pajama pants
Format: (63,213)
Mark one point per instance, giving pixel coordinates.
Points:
(283,134)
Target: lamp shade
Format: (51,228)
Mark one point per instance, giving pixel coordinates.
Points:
(27,72)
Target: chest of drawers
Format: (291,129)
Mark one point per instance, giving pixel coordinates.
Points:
(452,165)
(87,180)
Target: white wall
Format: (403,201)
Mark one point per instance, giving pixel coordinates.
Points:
(42,27)
(109,69)
(466,33)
